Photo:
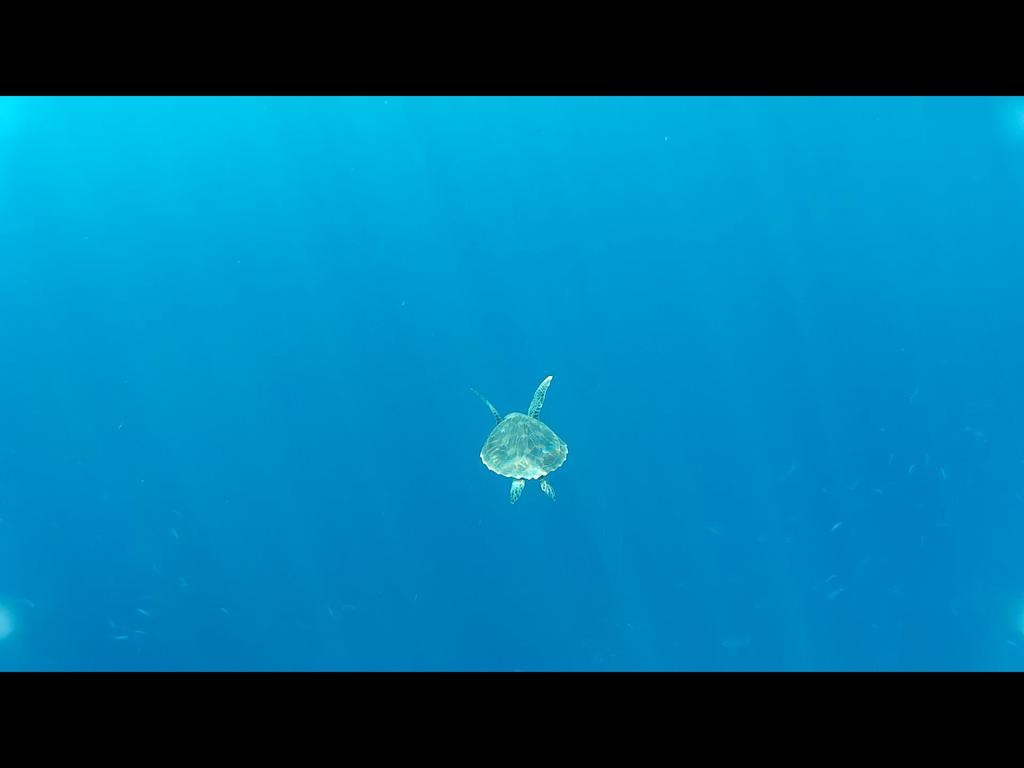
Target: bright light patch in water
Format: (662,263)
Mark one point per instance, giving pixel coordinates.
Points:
(6,622)
(1013,117)
(10,116)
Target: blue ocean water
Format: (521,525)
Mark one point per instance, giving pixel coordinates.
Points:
(238,337)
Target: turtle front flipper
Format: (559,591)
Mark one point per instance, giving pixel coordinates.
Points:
(494,411)
(516,491)
(538,398)
(546,487)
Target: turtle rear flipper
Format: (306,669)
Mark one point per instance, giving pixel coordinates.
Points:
(538,398)
(516,491)
(547,488)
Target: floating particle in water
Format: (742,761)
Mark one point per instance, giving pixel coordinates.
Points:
(735,641)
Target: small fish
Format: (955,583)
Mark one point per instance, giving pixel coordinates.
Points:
(835,527)
(120,637)
(911,468)
(833,576)
(879,491)
(27,602)
(836,593)
(174,533)
(331,611)
(225,611)
(891,457)
(943,471)
(913,396)
(713,530)
(143,612)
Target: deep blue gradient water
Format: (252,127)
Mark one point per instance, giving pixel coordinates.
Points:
(238,337)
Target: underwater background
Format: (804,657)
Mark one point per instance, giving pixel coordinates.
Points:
(238,337)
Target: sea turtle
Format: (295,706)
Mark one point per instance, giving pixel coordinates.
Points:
(523,447)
